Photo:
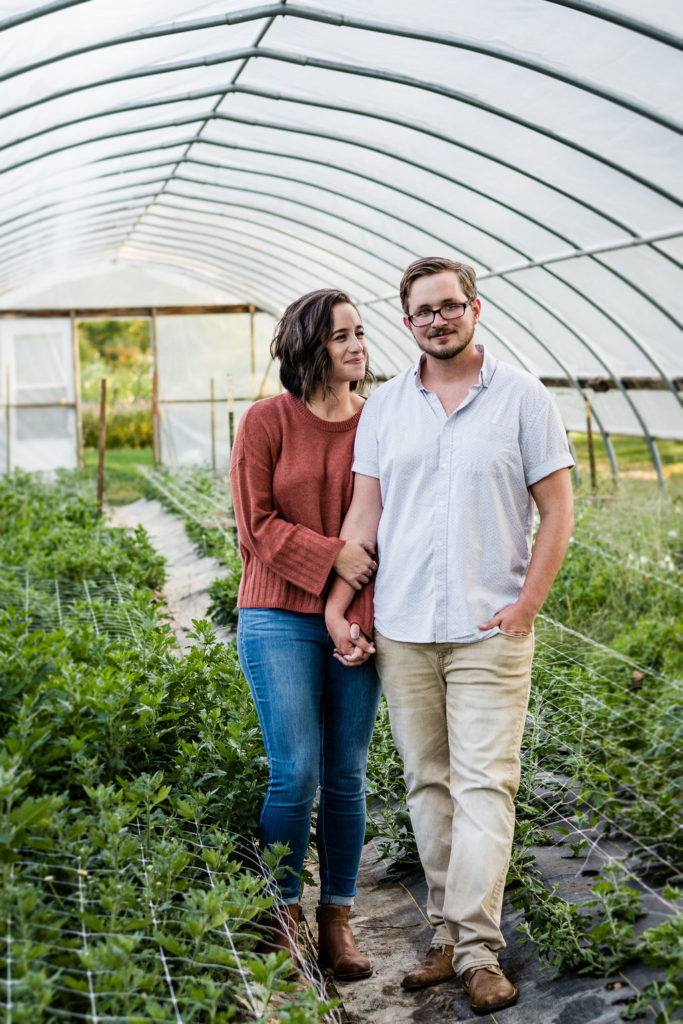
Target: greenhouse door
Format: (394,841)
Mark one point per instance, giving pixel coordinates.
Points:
(37,385)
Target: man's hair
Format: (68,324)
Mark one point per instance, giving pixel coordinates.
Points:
(436,265)
(300,343)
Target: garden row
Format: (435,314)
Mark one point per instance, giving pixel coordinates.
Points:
(130,781)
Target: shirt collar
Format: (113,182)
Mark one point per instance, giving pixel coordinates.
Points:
(488,368)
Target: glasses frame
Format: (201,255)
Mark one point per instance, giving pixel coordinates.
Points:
(422,312)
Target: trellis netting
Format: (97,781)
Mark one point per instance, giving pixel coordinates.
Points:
(248,153)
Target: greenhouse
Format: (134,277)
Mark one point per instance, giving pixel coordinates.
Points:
(173,175)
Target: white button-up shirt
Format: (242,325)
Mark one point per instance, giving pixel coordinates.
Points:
(454,537)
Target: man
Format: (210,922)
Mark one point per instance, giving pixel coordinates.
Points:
(450,458)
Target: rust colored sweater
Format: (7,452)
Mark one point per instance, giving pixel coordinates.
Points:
(291,485)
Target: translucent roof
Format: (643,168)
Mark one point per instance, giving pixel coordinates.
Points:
(265,150)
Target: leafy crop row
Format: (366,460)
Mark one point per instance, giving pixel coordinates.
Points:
(128,774)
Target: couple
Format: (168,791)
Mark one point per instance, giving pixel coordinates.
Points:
(439,472)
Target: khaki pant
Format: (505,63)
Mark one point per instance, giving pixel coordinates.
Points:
(457,715)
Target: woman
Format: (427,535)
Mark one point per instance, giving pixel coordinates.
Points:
(291,485)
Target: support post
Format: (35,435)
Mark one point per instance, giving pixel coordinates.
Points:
(252,339)
(231,412)
(213,425)
(156,439)
(101,444)
(591,448)
(8,427)
(76,358)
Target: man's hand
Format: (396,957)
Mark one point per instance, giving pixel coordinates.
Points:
(514,619)
(355,563)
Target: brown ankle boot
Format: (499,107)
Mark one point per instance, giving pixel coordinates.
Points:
(336,946)
(283,927)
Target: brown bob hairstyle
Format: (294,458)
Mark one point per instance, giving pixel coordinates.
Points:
(300,343)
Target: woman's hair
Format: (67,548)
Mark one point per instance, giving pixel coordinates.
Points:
(300,343)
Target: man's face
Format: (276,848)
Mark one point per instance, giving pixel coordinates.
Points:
(442,339)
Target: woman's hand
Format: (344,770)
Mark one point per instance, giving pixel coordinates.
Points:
(355,563)
(351,646)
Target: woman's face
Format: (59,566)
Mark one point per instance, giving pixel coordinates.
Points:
(346,347)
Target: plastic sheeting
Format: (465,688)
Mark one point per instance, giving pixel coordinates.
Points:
(38,428)
(265,150)
(195,356)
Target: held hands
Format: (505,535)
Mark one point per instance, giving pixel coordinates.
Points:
(351,647)
(355,563)
(513,620)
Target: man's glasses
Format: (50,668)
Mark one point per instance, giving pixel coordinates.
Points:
(449,311)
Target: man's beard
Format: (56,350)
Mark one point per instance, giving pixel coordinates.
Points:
(450,350)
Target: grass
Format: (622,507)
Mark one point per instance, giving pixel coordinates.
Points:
(122,484)
(633,461)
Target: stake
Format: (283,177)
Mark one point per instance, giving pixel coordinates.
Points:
(231,412)
(252,339)
(156,440)
(8,452)
(77,389)
(213,426)
(591,449)
(101,444)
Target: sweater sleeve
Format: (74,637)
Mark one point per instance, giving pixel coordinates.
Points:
(295,552)
(361,609)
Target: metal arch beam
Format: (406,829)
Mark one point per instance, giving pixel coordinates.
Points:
(592,253)
(279,246)
(272,11)
(317,133)
(38,12)
(634,341)
(236,217)
(347,170)
(151,249)
(627,335)
(624,330)
(543,263)
(196,243)
(357,70)
(668,256)
(623,20)
(187,160)
(149,256)
(111,204)
(271,250)
(616,323)
(194,119)
(617,380)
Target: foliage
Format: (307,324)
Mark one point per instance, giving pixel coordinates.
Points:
(120,351)
(128,774)
(128,426)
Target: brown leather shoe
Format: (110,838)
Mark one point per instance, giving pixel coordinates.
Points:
(488,989)
(283,928)
(436,967)
(336,945)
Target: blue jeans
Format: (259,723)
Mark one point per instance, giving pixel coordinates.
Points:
(317,719)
